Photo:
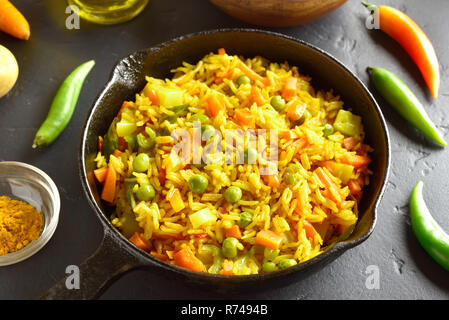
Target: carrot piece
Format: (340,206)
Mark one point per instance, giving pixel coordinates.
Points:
(221,51)
(244,117)
(176,202)
(356,161)
(296,110)
(289,89)
(310,230)
(12,21)
(176,236)
(269,239)
(273,180)
(154,98)
(100,174)
(354,187)
(213,106)
(201,235)
(329,165)
(286,134)
(332,188)
(350,143)
(299,144)
(186,258)
(139,242)
(109,187)
(228,268)
(250,73)
(234,231)
(159,255)
(257,96)
(116,153)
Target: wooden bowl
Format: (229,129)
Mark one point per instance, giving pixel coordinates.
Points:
(278,13)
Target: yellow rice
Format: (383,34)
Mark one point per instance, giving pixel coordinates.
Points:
(275,209)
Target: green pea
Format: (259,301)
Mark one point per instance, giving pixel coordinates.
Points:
(200,117)
(233,194)
(290,178)
(250,156)
(277,103)
(268,266)
(270,254)
(242,80)
(229,247)
(287,263)
(198,183)
(207,131)
(328,130)
(141,163)
(245,219)
(146,193)
(306,115)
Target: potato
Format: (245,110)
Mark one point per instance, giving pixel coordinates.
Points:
(9,70)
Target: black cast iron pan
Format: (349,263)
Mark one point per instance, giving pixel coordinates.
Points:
(116,255)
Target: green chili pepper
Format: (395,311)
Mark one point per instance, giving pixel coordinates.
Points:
(63,106)
(431,236)
(400,97)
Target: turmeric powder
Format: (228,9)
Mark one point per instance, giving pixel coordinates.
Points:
(20,223)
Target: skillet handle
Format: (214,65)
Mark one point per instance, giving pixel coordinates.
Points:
(109,262)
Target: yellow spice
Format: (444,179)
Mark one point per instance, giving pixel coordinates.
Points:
(20,224)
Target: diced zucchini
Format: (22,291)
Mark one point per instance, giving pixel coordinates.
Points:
(201,217)
(169,97)
(348,123)
(342,171)
(125,128)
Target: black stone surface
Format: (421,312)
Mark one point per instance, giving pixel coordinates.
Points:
(405,270)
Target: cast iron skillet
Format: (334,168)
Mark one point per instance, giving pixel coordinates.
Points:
(116,255)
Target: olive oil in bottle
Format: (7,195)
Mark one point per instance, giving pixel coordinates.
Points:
(109,11)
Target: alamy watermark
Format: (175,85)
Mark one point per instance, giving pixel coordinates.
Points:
(372,281)
(73,20)
(72,282)
(251,147)
(373,20)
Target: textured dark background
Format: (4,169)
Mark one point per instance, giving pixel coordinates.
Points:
(406,271)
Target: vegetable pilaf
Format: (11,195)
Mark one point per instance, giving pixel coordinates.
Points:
(267,173)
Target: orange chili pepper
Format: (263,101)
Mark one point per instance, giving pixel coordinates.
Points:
(412,38)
